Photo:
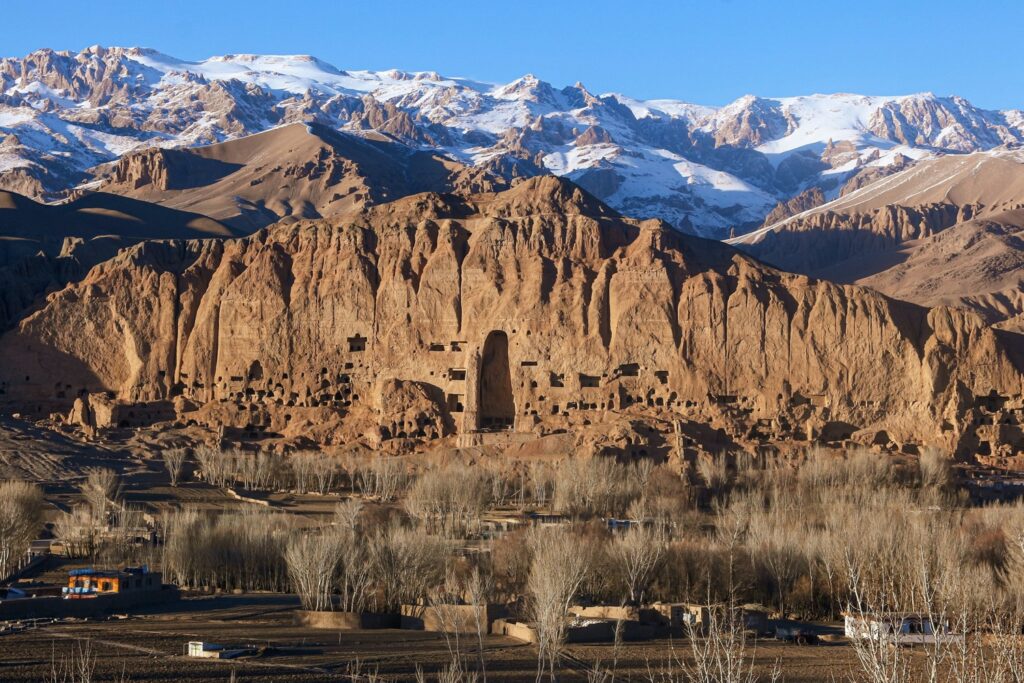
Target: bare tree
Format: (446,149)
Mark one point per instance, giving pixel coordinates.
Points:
(213,464)
(713,472)
(325,472)
(775,543)
(77,532)
(174,460)
(120,544)
(383,478)
(21,515)
(101,490)
(347,512)
(450,499)
(636,554)
(313,561)
(76,665)
(559,567)
(936,470)
(597,486)
(406,565)
(301,464)
(542,482)
(243,550)
(720,650)
(355,570)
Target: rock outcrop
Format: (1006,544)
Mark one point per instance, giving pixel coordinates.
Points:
(816,242)
(805,201)
(526,312)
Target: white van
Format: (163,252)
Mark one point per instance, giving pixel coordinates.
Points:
(901,629)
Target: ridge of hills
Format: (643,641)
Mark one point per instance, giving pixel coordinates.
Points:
(705,170)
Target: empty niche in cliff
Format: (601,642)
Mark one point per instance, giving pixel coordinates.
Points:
(628,370)
(662,376)
(435,347)
(589,381)
(528,364)
(557,380)
(457,374)
(255,371)
(497,406)
(992,402)
(457,345)
(356,344)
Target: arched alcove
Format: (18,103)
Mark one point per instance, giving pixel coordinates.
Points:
(497,406)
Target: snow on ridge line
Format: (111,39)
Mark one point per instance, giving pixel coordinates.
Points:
(634,170)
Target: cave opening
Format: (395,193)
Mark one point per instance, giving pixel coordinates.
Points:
(497,405)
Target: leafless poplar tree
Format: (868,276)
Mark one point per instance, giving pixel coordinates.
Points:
(21,516)
(101,490)
(559,567)
(636,554)
(174,460)
(313,561)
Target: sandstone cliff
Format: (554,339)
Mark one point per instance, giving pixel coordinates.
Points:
(532,310)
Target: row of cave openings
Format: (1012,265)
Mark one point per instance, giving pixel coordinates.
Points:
(497,405)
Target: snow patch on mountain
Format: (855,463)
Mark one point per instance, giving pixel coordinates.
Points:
(707,170)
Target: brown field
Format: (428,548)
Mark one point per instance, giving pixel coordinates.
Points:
(149,648)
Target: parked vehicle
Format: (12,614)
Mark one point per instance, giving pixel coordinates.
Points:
(799,634)
(900,629)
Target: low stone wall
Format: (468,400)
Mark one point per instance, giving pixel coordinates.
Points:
(101,605)
(644,615)
(451,618)
(347,621)
(514,629)
(602,631)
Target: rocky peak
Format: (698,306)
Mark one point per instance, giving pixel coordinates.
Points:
(529,88)
(699,168)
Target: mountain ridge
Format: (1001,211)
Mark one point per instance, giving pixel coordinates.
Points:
(705,170)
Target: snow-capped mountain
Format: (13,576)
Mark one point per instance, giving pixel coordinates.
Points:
(706,170)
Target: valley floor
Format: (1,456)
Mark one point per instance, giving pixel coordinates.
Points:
(150,648)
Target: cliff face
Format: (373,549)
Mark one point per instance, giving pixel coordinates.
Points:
(534,309)
(815,242)
(945,231)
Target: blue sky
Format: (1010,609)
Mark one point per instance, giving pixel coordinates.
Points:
(709,52)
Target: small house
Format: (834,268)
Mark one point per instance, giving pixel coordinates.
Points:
(91,583)
(699,617)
